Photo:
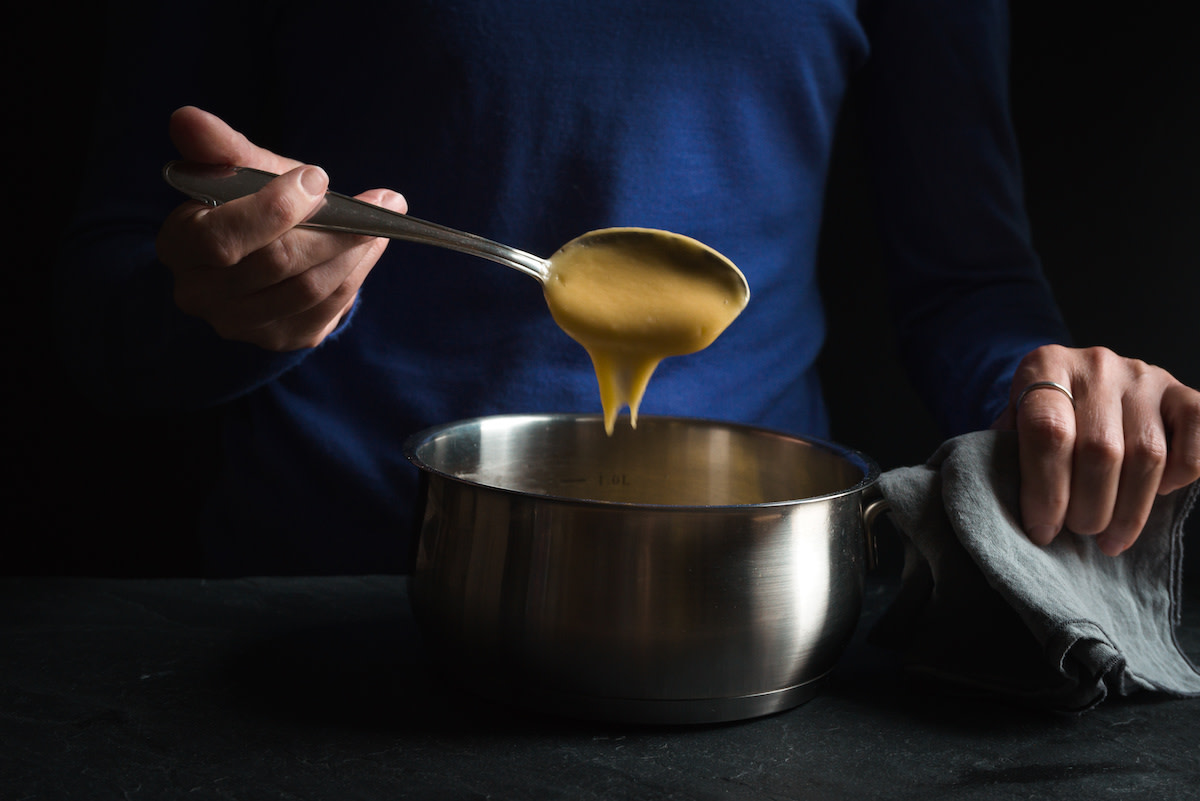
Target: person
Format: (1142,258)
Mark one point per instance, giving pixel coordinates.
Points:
(529,124)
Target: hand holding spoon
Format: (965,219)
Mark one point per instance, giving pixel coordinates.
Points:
(630,296)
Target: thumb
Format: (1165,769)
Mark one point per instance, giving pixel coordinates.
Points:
(206,138)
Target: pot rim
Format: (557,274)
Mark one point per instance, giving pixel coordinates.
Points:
(869,467)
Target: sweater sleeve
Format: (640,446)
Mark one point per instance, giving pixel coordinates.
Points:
(124,342)
(121,337)
(966,287)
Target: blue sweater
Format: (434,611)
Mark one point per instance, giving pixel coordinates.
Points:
(529,123)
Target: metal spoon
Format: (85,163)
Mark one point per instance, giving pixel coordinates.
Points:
(216,184)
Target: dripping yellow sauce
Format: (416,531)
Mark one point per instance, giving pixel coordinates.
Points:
(632,297)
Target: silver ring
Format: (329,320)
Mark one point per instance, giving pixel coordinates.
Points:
(1044,385)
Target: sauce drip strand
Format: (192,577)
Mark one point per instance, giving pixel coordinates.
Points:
(634,296)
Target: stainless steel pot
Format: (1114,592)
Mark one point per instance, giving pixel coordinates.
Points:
(687,571)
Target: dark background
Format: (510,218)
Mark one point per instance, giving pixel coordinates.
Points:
(1106,111)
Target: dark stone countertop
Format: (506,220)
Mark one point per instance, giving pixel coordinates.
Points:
(298,688)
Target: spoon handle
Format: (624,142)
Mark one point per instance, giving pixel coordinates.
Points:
(215,185)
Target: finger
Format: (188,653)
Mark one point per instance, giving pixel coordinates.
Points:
(1181,416)
(205,137)
(387,198)
(224,236)
(1145,456)
(1099,452)
(1047,360)
(319,322)
(281,303)
(309,328)
(300,250)
(306,300)
(1046,439)
(297,254)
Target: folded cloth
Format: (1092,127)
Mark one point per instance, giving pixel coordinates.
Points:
(983,607)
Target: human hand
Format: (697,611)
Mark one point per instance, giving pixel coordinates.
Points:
(1096,464)
(243,266)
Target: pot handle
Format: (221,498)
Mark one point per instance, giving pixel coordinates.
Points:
(871,511)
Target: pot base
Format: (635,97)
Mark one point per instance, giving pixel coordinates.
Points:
(654,711)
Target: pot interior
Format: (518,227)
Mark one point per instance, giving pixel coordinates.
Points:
(665,461)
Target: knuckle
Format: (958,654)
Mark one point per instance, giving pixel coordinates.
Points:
(1102,449)
(1146,382)
(1053,432)
(308,289)
(1187,412)
(1043,354)
(275,261)
(218,248)
(343,293)
(1143,371)
(205,243)
(324,286)
(1100,359)
(1033,365)
(1147,451)
(213,242)
(278,210)
(222,249)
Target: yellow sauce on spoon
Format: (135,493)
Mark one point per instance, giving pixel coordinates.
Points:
(634,296)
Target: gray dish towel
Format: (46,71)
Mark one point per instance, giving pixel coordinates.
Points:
(984,608)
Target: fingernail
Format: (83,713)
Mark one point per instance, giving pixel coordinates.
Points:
(314,180)
(1042,535)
